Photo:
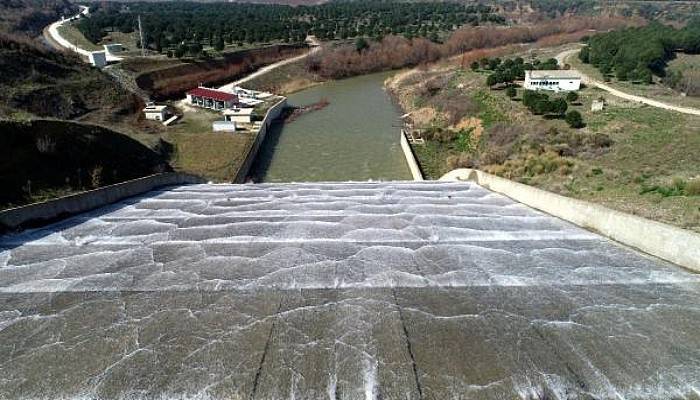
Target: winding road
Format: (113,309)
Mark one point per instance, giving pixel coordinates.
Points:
(315,47)
(563,56)
(56,37)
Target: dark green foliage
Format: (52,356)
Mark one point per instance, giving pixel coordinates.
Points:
(361,44)
(511,92)
(540,103)
(572,97)
(219,44)
(474,66)
(179,22)
(574,119)
(637,53)
(509,70)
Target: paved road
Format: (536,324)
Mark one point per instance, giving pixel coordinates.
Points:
(56,37)
(262,71)
(342,291)
(563,56)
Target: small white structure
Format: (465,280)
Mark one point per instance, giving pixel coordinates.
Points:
(240,115)
(114,48)
(223,126)
(597,105)
(98,58)
(155,113)
(554,80)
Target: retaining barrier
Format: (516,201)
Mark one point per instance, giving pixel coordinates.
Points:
(410,158)
(270,116)
(667,242)
(41,213)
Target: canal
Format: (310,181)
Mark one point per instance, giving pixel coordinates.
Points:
(354,138)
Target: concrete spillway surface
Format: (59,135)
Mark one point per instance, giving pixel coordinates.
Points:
(339,291)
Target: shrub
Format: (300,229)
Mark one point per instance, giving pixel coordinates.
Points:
(572,97)
(574,119)
(511,92)
(692,188)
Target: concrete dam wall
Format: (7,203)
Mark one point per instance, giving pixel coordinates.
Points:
(400,290)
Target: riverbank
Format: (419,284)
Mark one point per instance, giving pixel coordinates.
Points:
(633,158)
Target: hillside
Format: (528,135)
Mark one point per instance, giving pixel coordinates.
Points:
(31,16)
(45,83)
(633,158)
(52,158)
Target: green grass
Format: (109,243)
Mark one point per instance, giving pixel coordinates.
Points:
(73,35)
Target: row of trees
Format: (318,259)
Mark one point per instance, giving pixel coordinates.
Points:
(393,52)
(638,53)
(509,70)
(168,24)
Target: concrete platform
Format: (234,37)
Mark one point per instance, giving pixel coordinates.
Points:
(339,291)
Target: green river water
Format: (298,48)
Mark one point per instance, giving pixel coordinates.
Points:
(354,138)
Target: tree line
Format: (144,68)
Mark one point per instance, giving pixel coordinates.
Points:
(638,53)
(169,24)
(511,69)
(393,52)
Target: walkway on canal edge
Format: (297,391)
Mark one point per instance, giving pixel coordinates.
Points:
(399,290)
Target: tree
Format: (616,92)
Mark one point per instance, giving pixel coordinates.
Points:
(511,92)
(558,106)
(361,44)
(574,119)
(572,97)
(219,44)
(474,66)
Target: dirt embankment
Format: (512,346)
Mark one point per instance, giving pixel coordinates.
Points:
(52,158)
(173,82)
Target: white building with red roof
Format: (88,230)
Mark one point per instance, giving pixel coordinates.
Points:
(211,98)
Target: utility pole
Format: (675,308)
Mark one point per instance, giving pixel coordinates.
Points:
(143,44)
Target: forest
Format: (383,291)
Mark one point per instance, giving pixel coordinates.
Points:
(169,24)
(635,54)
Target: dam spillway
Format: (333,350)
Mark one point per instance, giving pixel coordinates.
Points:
(394,290)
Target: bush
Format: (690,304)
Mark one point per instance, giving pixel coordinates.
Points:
(572,97)
(692,188)
(511,92)
(574,119)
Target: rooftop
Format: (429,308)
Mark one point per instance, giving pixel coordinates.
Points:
(155,108)
(554,74)
(212,94)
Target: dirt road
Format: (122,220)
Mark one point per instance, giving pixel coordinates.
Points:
(563,56)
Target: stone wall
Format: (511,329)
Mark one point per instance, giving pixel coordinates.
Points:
(667,242)
(41,213)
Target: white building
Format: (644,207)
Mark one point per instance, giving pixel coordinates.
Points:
(554,80)
(98,58)
(239,115)
(155,113)
(223,126)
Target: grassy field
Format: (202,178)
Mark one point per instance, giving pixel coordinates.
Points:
(73,35)
(197,150)
(629,157)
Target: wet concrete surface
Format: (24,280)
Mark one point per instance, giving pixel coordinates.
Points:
(339,291)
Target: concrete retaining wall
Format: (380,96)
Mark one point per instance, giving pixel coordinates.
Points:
(410,158)
(51,210)
(667,242)
(270,116)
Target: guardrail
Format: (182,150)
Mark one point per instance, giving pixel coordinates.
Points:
(410,158)
(679,246)
(52,210)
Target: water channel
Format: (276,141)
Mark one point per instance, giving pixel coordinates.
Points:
(354,138)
